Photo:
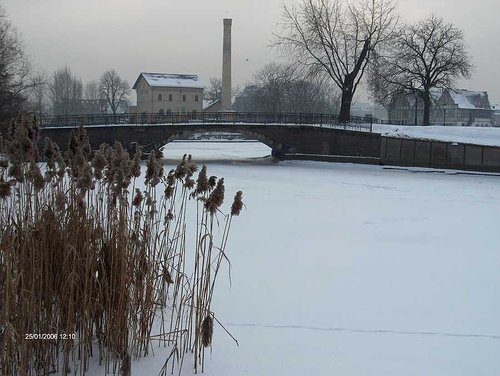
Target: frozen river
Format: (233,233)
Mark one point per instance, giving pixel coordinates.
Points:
(341,269)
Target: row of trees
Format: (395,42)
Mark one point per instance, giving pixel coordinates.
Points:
(344,42)
(64,93)
(279,88)
(282,88)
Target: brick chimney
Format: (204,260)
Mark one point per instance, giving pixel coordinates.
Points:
(226,67)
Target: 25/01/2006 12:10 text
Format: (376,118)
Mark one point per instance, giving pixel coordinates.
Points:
(49,336)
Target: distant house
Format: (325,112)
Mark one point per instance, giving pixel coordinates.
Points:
(465,108)
(164,93)
(456,107)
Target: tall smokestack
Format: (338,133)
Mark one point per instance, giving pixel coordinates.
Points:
(226,67)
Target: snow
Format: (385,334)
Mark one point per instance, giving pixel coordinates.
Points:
(465,98)
(352,269)
(172,80)
(469,135)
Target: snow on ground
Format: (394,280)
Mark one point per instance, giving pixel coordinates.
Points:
(469,135)
(354,270)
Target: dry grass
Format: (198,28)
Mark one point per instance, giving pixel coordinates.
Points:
(84,252)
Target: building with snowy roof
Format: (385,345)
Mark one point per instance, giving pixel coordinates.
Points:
(454,107)
(465,108)
(165,93)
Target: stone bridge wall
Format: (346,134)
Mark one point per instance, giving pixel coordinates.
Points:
(437,154)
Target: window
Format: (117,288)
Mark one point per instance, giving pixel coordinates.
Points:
(183,97)
(170,97)
(159,97)
(196,98)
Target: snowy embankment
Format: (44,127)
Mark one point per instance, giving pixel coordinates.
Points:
(468,135)
(341,269)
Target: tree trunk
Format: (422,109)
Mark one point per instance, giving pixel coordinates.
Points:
(348,87)
(345,104)
(427,107)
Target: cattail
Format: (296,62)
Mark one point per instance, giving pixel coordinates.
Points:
(181,170)
(16,172)
(135,167)
(61,171)
(51,153)
(207,331)
(85,182)
(4,188)
(237,204)
(171,178)
(212,181)
(38,180)
(169,191)
(202,182)
(189,183)
(154,169)
(216,198)
(138,198)
(99,162)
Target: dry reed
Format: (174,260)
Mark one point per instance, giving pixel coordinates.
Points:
(93,266)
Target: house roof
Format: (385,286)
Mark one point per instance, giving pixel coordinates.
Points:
(170,80)
(208,103)
(470,100)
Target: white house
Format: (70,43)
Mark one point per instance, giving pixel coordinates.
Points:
(165,93)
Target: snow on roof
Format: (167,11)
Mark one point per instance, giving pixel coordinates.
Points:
(171,80)
(207,103)
(470,100)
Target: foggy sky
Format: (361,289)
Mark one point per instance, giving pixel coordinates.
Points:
(185,36)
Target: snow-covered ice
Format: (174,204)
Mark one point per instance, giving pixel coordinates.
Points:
(353,270)
(469,135)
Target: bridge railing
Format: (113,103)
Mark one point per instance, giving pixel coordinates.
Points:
(310,119)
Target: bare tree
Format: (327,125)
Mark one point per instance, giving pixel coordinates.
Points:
(38,95)
(334,38)
(93,102)
(14,69)
(91,91)
(274,81)
(114,90)
(281,88)
(66,92)
(426,55)
(214,89)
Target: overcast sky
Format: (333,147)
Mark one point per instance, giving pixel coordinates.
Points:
(185,36)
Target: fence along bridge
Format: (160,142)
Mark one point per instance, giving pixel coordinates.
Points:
(295,136)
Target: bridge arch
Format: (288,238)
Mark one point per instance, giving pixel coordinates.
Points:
(277,148)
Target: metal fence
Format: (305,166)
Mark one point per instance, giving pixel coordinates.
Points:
(196,118)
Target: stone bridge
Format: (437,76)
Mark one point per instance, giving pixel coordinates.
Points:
(295,141)
(288,135)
